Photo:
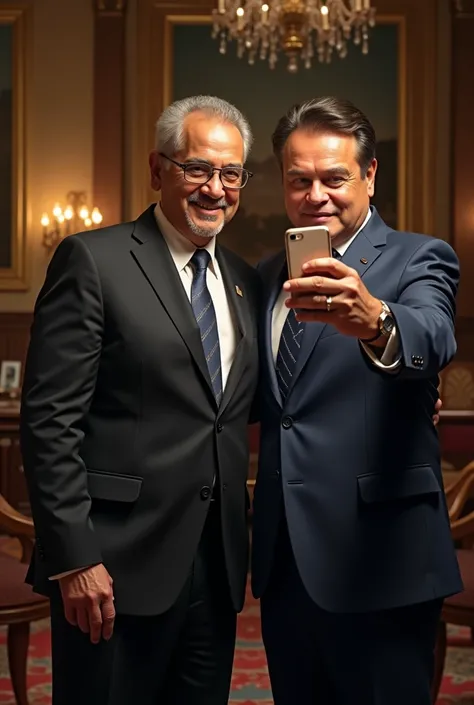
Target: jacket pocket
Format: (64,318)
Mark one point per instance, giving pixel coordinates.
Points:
(113,487)
(409,482)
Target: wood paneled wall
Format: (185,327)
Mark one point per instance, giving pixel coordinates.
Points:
(14,336)
(463,151)
(111,132)
(109,107)
(462,136)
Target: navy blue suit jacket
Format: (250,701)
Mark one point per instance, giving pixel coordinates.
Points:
(352,454)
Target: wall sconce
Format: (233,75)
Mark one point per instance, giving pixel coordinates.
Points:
(74,218)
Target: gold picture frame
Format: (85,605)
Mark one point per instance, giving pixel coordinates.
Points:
(418,101)
(13,276)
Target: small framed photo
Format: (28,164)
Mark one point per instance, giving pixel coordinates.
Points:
(10,373)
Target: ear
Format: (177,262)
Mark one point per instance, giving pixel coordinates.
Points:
(156,167)
(371,177)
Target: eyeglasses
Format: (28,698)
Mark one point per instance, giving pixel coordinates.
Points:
(233,177)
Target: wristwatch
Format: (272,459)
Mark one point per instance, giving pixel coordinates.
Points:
(385,323)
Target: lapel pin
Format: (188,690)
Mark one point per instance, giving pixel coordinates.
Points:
(363,260)
(238,290)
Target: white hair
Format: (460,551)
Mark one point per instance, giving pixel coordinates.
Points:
(169,133)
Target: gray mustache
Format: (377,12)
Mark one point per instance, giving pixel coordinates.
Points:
(195,198)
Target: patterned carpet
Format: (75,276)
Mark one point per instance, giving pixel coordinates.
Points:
(250,682)
(457,687)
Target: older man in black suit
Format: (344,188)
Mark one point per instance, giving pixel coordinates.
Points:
(139,382)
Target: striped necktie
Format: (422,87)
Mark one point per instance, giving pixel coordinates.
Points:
(205,314)
(289,347)
(290,344)
(288,351)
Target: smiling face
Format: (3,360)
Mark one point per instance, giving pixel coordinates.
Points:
(323,183)
(199,211)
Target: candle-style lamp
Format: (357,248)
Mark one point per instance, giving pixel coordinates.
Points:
(74,218)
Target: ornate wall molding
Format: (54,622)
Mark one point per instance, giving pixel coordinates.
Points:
(13,270)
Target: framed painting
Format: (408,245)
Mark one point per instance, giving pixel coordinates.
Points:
(374,82)
(395,84)
(12,147)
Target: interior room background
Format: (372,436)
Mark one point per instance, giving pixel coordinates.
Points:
(82,83)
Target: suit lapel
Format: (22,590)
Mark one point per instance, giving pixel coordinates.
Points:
(361,254)
(272,292)
(312,333)
(239,307)
(154,259)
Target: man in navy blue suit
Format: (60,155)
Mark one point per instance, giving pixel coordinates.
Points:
(352,552)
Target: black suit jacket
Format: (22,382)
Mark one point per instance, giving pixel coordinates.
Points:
(120,432)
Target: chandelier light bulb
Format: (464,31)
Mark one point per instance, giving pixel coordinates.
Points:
(303,30)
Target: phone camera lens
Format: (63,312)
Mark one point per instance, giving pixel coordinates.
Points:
(293,237)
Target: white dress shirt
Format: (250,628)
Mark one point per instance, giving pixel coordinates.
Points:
(390,357)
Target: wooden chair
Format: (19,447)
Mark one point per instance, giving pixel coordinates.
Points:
(458,609)
(19,605)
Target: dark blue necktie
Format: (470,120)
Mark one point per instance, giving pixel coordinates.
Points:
(289,347)
(288,351)
(205,314)
(290,344)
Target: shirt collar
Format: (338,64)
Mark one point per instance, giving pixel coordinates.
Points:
(344,246)
(181,249)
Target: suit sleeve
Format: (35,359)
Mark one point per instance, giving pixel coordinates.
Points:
(425,310)
(60,377)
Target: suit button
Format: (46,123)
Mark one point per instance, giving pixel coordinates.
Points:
(287,422)
(219,427)
(205,492)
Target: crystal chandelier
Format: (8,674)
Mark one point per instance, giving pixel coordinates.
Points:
(300,28)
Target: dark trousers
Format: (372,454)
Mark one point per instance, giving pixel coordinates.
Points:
(321,658)
(183,656)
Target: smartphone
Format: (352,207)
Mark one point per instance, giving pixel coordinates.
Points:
(303,244)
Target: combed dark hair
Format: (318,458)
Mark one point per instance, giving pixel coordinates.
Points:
(328,114)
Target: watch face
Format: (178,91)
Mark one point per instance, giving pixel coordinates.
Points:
(388,324)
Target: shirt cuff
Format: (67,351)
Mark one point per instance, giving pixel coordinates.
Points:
(391,357)
(68,572)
